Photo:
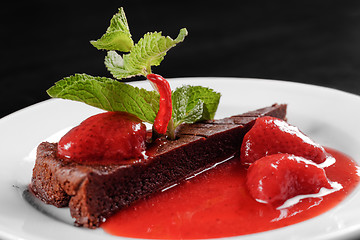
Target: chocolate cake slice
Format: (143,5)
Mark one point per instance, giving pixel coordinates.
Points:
(94,192)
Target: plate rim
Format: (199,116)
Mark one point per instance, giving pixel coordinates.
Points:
(258,80)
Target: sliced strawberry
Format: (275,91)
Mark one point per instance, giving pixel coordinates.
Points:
(270,135)
(274,179)
(109,135)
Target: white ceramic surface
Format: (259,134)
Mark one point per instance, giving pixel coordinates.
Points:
(328,116)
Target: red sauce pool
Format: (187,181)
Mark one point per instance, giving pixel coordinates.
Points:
(216,204)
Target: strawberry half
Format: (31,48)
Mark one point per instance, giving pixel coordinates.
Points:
(274,179)
(270,135)
(105,136)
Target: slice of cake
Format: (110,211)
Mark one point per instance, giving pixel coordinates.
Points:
(94,192)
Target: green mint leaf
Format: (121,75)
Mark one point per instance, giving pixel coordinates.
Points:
(194,103)
(108,94)
(117,36)
(115,64)
(149,51)
(210,98)
(195,113)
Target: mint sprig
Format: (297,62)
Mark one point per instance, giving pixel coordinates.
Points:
(190,104)
(149,51)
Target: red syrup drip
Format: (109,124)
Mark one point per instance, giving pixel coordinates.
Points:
(217,204)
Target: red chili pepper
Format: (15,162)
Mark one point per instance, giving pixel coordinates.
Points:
(165,105)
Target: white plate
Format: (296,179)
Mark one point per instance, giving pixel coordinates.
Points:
(329,116)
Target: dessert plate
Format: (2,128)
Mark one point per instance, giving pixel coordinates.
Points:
(329,116)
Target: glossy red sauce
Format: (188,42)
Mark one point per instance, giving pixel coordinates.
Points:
(216,204)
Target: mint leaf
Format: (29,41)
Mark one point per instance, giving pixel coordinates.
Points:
(117,36)
(108,94)
(210,98)
(194,103)
(115,65)
(194,114)
(149,51)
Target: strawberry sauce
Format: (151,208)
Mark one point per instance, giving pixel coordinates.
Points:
(217,204)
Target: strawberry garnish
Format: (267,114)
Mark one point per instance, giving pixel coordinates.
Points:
(105,136)
(274,179)
(270,135)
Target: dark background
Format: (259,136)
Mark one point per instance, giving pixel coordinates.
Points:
(316,42)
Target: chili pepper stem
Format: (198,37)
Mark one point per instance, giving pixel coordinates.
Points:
(171,129)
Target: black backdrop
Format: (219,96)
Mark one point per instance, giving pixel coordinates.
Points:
(316,42)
